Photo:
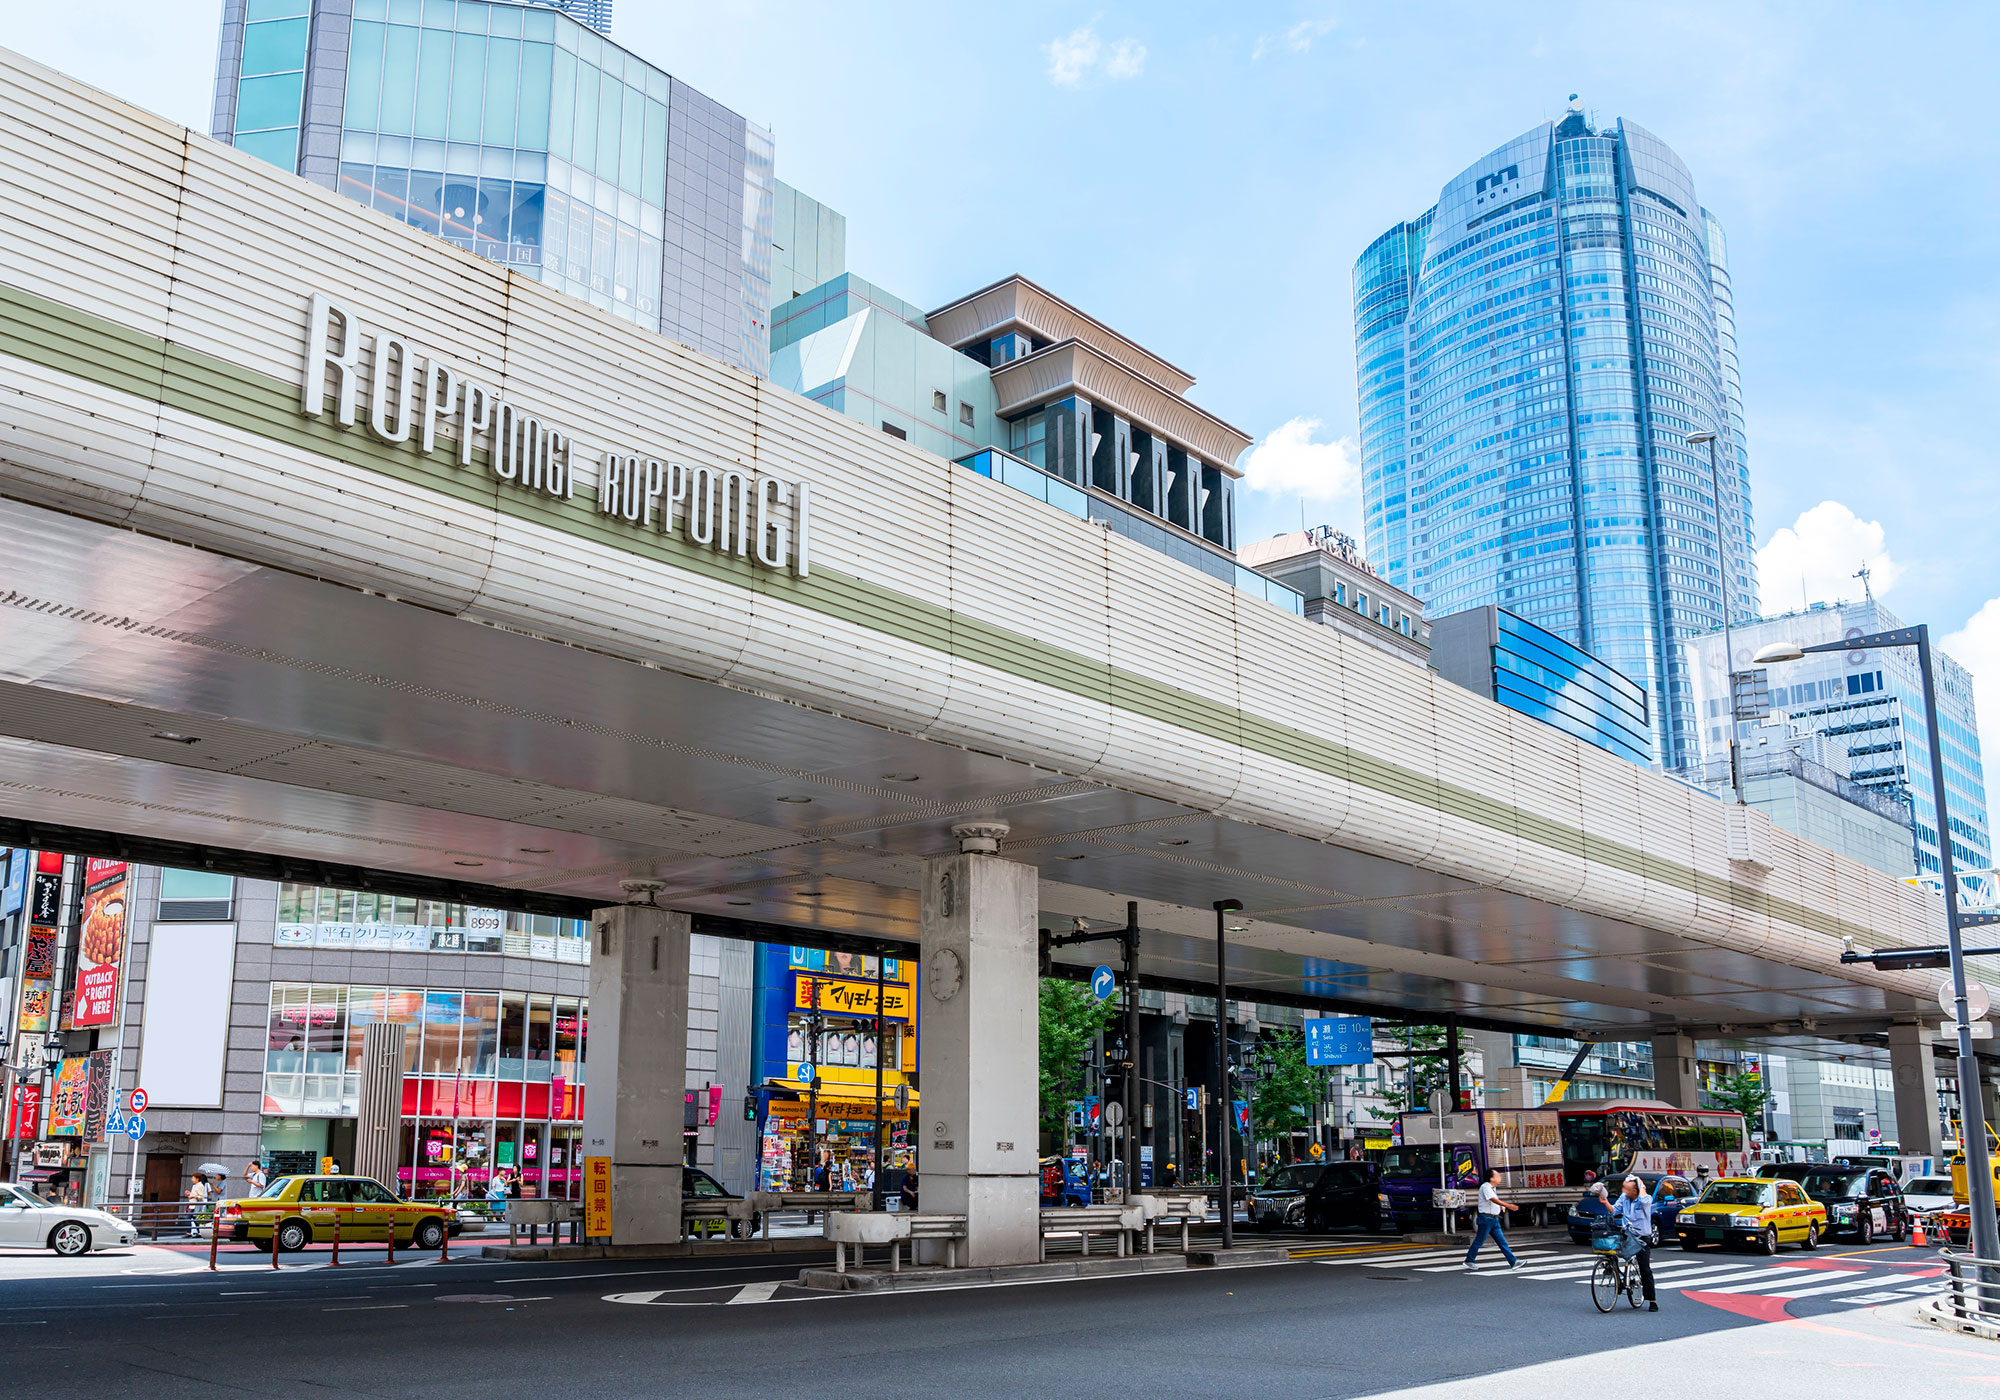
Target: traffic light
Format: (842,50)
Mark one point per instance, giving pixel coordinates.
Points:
(749,1108)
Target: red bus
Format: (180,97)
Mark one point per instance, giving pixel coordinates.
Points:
(1613,1136)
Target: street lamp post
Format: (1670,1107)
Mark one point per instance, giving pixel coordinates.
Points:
(1978,1167)
(1728,651)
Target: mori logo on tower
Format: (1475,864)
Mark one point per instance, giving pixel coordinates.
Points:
(418,398)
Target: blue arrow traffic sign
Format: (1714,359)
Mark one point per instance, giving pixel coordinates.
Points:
(806,1074)
(135,1127)
(1101,983)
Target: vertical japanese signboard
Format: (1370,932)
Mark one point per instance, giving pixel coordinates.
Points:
(71,1098)
(97,1096)
(597,1197)
(38,960)
(25,1122)
(101,950)
(37,1001)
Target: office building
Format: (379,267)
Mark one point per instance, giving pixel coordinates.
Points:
(1326,567)
(1018,385)
(1512,662)
(1533,353)
(525,136)
(1862,712)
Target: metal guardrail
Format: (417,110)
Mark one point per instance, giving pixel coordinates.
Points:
(1971,1287)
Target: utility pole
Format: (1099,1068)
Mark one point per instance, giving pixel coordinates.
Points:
(881,1044)
(814,1058)
(1223,1107)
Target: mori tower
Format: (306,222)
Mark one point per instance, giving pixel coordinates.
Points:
(1534,354)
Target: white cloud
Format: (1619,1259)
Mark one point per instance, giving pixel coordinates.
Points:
(1128,60)
(1072,56)
(1298,39)
(1079,54)
(1976,646)
(1288,462)
(1815,559)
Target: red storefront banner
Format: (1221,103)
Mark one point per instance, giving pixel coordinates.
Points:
(483,1098)
(101,949)
(25,1123)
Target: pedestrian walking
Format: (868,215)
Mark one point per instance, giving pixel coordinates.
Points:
(197,1199)
(1492,1211)
(254,1179)
(1634,1213)
(496,1194)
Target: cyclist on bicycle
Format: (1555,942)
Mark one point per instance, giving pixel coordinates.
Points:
(1633,1214)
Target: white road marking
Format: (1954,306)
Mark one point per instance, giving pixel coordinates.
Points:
(1545,1255)
(756,1292)
(641,1273)
(1776,1279)
(1845,1286)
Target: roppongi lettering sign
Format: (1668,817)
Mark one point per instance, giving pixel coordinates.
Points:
(416,397)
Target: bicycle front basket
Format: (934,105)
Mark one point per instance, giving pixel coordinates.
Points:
(1605,1244)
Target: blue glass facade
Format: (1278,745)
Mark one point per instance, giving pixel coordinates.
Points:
(1527,668)
(523,136)
(1532,354)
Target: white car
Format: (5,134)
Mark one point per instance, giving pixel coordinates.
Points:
(1927,1193)
(27,1219)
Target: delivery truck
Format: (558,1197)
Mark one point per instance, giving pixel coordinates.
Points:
(1453,1152)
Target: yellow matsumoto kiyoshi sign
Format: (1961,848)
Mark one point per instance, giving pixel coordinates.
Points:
(840,998)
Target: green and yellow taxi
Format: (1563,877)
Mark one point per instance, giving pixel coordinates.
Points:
(301,1210)
(1751,1211)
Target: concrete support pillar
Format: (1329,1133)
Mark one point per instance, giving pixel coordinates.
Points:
(636,1066)
(1676,1078)
(981,1047)
(1915,1072)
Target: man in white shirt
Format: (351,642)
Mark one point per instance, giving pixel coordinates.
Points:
(1491,1209)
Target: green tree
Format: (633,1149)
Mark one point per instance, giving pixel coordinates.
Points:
(1287,1088)
(1425,1069)
(1070,1020)
(1742,1093)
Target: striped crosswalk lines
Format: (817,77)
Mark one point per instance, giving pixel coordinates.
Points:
(1834,1281)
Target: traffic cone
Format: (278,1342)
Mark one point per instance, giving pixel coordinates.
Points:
(1917,1240)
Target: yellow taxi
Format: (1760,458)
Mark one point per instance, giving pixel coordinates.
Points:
(1752,1211)
(302,1209)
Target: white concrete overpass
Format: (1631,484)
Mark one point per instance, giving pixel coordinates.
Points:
(233,621)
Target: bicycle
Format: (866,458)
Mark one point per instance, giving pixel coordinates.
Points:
(1615,1274)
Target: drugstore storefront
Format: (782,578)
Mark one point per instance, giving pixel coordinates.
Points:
(817,1050)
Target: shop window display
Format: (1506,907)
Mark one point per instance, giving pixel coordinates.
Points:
(477,1091)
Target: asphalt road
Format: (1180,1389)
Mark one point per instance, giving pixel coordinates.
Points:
(1345,1319)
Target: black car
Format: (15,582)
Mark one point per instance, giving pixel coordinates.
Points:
(697,1184)
(1343,1198)
(1861,1202)
(1590,1217)
(1282,1199)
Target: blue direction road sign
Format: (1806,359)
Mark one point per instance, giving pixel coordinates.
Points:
(806,1073)
(1101,983)
(1340,1040)
(115,1124)
(135,1127)
(1193,1100)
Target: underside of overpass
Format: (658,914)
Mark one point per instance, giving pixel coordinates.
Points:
(158,691)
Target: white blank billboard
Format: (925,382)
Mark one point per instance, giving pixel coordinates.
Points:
(186,1041)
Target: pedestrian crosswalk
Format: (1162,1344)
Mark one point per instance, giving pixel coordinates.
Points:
(1842,1281)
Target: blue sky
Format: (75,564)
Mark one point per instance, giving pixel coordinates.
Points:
(1202,178)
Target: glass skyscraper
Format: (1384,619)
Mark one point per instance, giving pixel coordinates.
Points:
(1532,354)
(524,136)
